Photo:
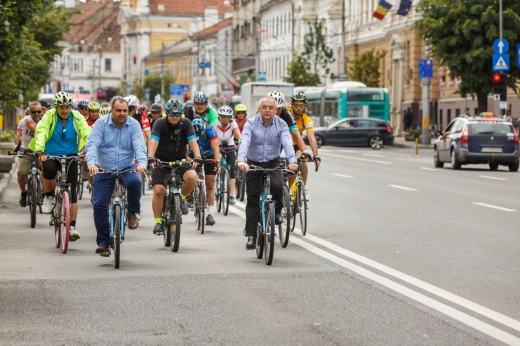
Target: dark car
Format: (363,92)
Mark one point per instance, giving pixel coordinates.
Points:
(356,132)
(473,140)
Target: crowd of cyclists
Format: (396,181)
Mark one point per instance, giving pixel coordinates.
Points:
(131,136)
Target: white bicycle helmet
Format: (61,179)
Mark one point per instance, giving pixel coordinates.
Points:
(226,111)
(132,100)
(278,97)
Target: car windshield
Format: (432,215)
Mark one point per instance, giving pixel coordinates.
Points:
(337,123)
(489,127)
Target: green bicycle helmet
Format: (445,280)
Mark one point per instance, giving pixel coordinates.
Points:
(299,97)
(240,108)
(62,99)
(93,106)
(104,111)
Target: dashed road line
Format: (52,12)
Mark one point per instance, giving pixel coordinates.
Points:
(493,206)
(402,187)
(488,177)
(342,175)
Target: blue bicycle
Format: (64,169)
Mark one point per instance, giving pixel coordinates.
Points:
(117,214)
(222,182)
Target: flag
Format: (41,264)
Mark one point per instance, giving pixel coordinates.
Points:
(404,7)
(382,9)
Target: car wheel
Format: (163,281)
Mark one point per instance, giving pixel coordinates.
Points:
(376,142)
(436,161)
(455,163)
(493,166)
(319,141)
(513,167)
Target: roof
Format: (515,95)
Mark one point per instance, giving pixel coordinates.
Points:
(187,7)
(183,46)
(213,29)
(95,24)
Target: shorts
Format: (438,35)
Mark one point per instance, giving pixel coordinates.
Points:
(25,164)
(159,174)
(209,167)
(231,160)
(51,168)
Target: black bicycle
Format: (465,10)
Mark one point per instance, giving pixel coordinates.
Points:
(81,179)
(34,184)
(284,229)
(222,182)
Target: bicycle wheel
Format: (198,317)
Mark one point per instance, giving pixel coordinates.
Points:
(269,234)
(175,229)
(259,241)
(79,187)
(285,228)
(201,208)
(243,188)
(295,206)
(32,198)
(225,191)
(303,210)
(167,220)
(65,219)
(117,236)
(144,184)
(218,192)
(39,194)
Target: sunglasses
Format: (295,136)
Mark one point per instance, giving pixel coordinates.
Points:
(36,112)
(63,133)
(226,116)
(241,113)
(82,108)
(298,106)
(175,115)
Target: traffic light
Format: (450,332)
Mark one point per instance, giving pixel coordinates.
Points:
(500,85)
(135,59)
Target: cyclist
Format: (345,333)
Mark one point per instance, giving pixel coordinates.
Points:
(114,144)
(134,112)
(188,106)
(61,131)
(155,113)
(105,104)
(104,111)
(83,108)
(228,132)
(304,123)
(93,115)
(45,106)
(24,135)
(170,137)
(202,110)
(241,116)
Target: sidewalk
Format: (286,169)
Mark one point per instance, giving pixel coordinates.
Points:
(399,142)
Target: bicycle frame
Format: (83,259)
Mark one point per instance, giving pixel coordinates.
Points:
(117,201)
(264,200)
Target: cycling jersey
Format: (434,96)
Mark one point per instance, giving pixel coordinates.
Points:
(143,120)
(210,115)
(304,123)
(27,134)
(225,134)
(241,128)
(91,122)
(289,119)
(206,139)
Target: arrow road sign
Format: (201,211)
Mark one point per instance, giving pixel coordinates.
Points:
(500,46)
(500,62)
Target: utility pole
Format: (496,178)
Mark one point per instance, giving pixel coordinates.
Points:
(257,47)
(426,103)
(342,53)
(162,72)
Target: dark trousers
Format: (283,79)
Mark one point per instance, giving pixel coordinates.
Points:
(51,168)
(255,186)
(102,192)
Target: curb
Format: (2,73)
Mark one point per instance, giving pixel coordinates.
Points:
(4,183)
(421,146)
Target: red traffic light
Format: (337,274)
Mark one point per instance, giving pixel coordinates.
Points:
(497,77)
(135,59)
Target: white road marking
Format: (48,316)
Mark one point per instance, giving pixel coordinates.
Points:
(342,175)
(493,206)
(430,169)
(358,159)
(374,155)
(488,177)
(403,187)
(348,151)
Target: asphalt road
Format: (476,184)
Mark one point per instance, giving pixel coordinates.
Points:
(397,253)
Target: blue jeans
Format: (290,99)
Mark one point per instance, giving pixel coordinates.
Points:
(103,187)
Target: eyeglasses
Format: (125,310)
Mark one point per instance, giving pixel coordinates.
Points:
(226,116)
(63,133)
(175,115)
(36,112)
(298,106)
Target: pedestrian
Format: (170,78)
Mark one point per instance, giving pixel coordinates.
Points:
(407,120)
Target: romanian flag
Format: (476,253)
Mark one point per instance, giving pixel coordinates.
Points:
(382,9)
(404,7)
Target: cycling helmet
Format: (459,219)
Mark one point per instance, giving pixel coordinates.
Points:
(62,99)
(225,110)
(104,111)
(240,108)
(93,106)
(156,107)
(173,106)
(105,104)
(299,97)
(132,101)
(200,97)
(83,103)
(278,97)
(198,126)
(45,104)
(27,111)
(142,108)
(188,104)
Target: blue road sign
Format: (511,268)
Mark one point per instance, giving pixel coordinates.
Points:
(518,55)
(177,90)
(207,64)
(147,94)
(201,64)
(99,90)
(262,76)
(500,46)
(186,88)
(426,68)
(500,62)
(146,72)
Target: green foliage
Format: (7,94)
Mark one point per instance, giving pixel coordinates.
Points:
(153,81)
(461,34)
(298,73)
(1,176)
(316,50)
(7,136)
(365,68)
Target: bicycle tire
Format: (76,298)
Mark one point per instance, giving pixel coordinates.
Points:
(218,193)
(284,229)
(176,224)
(79,187)
(269,234)
(167,220)
(32,198)
(201,208)
(39,193)
(303,211)
(295,208)
(144,185)
(243,189)
(56,219)
(65,233)
(259,241)
(225,191)
(117,236)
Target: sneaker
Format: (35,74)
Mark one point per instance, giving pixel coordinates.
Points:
(231,200)
(210,221)
(158,229)
(23,201)
(307,196)
(74,235)
(150,185)
(184,208)
(48,204)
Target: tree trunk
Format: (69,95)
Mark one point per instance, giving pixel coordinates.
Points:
(482,103)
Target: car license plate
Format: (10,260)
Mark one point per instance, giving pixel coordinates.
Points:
(491,150)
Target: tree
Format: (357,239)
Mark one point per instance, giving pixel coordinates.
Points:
(460,34)
(365,67)
(316,50)
(153,82)
(298,73)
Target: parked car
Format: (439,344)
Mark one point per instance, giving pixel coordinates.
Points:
(474,140)
(356,132)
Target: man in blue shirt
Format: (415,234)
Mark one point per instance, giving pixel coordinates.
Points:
(260,144)
(114,143)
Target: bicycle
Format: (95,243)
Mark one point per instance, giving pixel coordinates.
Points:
(172,213)
(199,199)
(240,184)
(79,186)
(34,185)
(284,229)
(299,201)
(61,213)
(117,214)
(222,181)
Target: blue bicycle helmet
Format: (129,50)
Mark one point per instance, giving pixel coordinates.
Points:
(173,107)
(198,126)
(83,103)
(200,96)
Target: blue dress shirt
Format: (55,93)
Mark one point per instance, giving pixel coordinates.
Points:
(262,143)
(115,148)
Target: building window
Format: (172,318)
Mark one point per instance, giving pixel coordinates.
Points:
(108,65)
(457,112)
(441,125)
(449,116)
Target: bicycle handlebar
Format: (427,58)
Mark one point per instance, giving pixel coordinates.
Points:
(261,169)
(21,153)
(173,164)
(102,170)
(68,158)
